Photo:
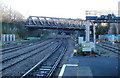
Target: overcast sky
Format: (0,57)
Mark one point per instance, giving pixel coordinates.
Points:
(60,8)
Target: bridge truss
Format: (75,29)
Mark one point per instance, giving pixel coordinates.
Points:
(54,23)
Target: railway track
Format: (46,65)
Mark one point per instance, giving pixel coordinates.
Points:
(8,62)
(23,42)
(46,67)
(109,47)
(25,50)
(18,43)
(110,43)
(20,46)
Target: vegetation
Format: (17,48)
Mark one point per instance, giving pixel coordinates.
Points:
(101,30)
(8,14)
(80,50)
(14,28)
(12,21)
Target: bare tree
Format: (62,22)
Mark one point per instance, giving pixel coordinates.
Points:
(9,14)
(17,16)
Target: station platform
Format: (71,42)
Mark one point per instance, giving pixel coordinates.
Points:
(90,67)
(72,69)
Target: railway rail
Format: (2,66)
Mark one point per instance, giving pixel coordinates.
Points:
(117,45)
(8,62)
(24,59)
(47,66)
(14,44)
(14,51)
(20,46)
(109,47)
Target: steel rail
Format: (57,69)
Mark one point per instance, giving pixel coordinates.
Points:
(40,62)
(23,59)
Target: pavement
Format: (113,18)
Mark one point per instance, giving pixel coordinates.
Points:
(100,66)
(104,66)
(92,67)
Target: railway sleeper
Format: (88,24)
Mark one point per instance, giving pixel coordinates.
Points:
(43,71)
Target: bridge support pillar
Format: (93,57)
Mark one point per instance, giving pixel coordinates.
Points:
(87,31)
(32,32)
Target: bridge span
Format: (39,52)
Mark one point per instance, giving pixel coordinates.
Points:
(42,22)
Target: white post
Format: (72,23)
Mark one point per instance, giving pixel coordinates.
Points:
(7,37)
(4,37)
(94,31)
(13,37)
(87,31)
